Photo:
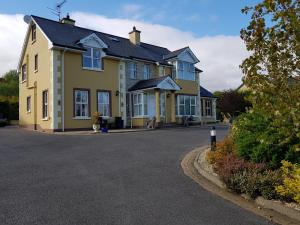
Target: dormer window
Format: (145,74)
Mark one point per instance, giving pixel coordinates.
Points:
(91,59)
(33,32)
(185,71)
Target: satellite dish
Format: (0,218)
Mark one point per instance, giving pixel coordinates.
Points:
(27,19)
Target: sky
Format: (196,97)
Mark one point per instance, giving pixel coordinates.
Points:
(210,27)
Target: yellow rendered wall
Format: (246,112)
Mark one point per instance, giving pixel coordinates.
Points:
(188,87)
(42,78)
(77,77)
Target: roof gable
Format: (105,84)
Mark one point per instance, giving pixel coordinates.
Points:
(164,83)
(93,40)
(188,56)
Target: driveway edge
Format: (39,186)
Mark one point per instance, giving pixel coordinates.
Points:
(189,169)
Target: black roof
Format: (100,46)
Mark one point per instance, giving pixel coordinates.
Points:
(150,83)
(205,93)
(175,53)
(66,35)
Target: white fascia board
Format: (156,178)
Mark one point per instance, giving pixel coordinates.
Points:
(168,84)
(94,37)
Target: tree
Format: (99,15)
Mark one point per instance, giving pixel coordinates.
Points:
(273,40)
(9,87)
(231,102)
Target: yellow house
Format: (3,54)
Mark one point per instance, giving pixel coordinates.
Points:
(68,72)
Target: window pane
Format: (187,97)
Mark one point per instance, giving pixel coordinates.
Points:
(88,52)
(96,63)
(181,100)
(84,96)
(181,110)
(135,111)
(96,53)
(193,110)
(84,110)
(187,105)
(87,62)
(193,100)
(77,110)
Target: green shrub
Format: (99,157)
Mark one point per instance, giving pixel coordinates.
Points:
(258,140)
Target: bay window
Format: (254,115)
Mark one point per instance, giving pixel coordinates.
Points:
(186,105)
(81,103)
(208,108)
(91,59)
(185,71)
(103,103)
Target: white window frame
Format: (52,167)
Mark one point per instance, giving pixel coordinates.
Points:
(102,105)
(24,72)
(186,98)
(45,104)
(208,107)
(132,70)
(92,58)
(139,102)
(146,71)
(185,71)
(87,103)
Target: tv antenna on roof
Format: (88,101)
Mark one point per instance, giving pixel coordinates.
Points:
(57,10)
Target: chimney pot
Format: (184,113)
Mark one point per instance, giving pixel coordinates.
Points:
(67,20)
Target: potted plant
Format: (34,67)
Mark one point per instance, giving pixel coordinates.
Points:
(96,122)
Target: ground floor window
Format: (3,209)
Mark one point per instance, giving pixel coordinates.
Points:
(45,104)
(28,104)
(81,103)
(186,105)
(103,103)
(139,104)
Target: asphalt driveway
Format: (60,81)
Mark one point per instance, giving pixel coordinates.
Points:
(113,179)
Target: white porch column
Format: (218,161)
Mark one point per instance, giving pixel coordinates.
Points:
(214,109)
(157,103)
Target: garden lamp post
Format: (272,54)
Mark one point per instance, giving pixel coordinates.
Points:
(213,138)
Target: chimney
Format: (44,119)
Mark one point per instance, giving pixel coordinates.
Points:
(135,36)
(68,20)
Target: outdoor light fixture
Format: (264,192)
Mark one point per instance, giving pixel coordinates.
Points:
(213,138)
(168,95)
(117,93)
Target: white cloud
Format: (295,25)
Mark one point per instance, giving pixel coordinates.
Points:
(220,56)
(133,11)
(13,31)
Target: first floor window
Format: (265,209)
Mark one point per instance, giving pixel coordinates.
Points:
(140,104)
(208,109)
(146,72)
(103,103)
(92,58)
(45,104)
(185,71)
(132,70)
(28,104)
(36,62)
(186,105)
(81,103)
(24,72)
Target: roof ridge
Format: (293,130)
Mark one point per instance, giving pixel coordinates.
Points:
(112,35)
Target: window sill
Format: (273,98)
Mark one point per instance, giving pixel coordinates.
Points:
(23,81)
(28,112)
(81,118)
(179,116)
(45,119)
(36,71)
(92,69)
(140,117)
(32,42)
(185,79)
